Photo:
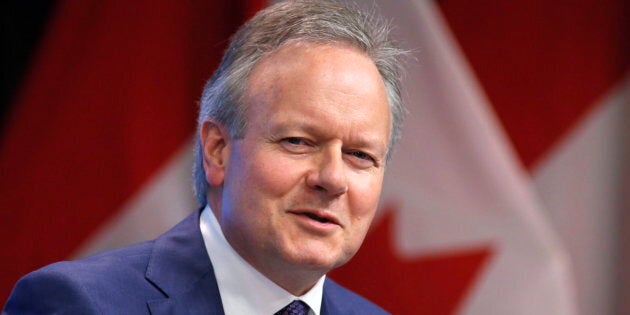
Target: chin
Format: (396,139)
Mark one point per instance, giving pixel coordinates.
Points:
(319,263)
(322,263)
(315,256)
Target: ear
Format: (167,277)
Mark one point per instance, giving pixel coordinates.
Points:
(215,147)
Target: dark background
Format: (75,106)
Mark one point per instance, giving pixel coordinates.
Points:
(23,23)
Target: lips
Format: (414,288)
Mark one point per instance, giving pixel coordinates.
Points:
(319,216)
(315,217)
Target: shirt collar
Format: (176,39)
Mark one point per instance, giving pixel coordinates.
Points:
(243,289)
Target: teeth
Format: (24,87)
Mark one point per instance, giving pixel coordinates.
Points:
(314,217)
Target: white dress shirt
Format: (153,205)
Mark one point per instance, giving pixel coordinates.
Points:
(243,289)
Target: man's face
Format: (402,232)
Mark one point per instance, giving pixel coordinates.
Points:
(301,187)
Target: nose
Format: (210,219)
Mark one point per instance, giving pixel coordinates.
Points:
(329,174)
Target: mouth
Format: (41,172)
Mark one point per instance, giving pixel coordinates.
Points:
(319,216)
(315,217)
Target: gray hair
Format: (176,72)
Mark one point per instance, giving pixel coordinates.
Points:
(290,21)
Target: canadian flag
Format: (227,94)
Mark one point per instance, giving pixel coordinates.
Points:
(505,195)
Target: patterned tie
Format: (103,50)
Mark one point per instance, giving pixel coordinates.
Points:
(296,307)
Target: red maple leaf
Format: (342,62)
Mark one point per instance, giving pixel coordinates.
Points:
(429,284)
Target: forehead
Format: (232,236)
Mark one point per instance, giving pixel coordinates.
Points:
(322,83)
(311,58)
(311,66)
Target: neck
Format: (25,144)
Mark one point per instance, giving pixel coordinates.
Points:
(296,282)
(296,279)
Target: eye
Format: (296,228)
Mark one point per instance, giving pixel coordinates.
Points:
(294,141)
(361,155)
(362,159)
(296,144)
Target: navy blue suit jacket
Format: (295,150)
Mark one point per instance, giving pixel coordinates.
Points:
(169,275)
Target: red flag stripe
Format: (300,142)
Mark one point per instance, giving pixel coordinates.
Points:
(110,98)
(543,64)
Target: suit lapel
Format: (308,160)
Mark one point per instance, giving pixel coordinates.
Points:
(330,304)
(200,300)
(180,267)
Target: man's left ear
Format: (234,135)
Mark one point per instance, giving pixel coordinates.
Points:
(215,146)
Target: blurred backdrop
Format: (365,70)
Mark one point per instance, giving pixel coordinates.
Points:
(507,194)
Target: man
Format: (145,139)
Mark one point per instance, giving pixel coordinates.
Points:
(294,132)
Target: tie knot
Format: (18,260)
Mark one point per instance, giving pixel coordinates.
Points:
(296,307)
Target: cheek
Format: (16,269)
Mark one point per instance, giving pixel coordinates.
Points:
(366,196)
(274,175)
(363,205)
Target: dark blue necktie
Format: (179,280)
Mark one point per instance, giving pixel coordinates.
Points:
(296,307)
